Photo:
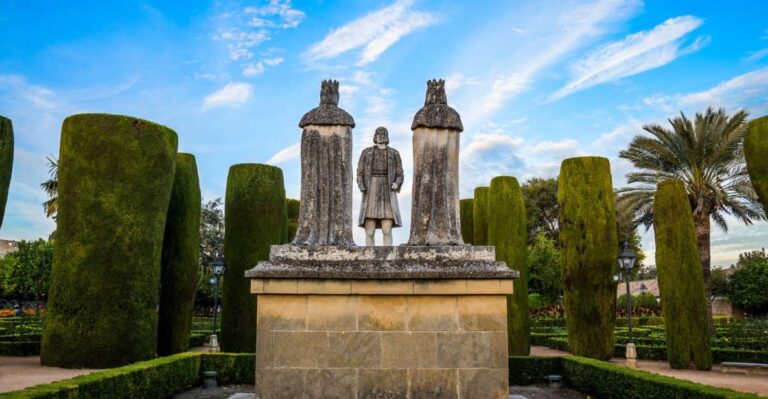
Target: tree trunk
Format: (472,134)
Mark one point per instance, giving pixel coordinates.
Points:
(702,240)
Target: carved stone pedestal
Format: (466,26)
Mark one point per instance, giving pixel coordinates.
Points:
(381,322)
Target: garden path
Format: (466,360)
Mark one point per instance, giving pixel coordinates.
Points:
(22,372)
(738,382)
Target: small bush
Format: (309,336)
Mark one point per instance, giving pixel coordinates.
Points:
(231,368)
(527,370)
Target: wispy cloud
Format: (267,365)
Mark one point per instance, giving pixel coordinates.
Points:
(374,32)
(257,68)
(755,56)
(634,54)
(278,13)
(286,154)
(231,95)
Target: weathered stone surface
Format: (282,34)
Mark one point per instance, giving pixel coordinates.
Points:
(328,113)
(300,348)
(381,313)
(463,349)
(281,312)
(408,349)
(483,312)
(310,253)
(264,348)
(442,287)
(432,313)
(484,383)
(382,384)
(280,383)
(436,113)
(499,349)
(330,384)
(331,312)
(354,349)
(433,383)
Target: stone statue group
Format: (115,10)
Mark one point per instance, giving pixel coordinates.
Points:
(325,217)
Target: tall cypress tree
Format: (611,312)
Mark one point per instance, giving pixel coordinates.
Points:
(254,220)
(115,179)
(680,280)
(179,264)
(6,162)
(755,148)
(292,210)
(480,216)
(588,254)
(466,209)
(508,233)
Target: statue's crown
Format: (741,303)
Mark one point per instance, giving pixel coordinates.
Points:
(329,92)
(436,92)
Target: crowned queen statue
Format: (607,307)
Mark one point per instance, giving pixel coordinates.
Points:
(379,177)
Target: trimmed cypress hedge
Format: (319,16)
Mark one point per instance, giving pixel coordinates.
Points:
(19,348)
(588,254)
(231,368)
(115,179)
(158,378)
(681,283)
(480,216)
(466,208)
(292,212)
(253,216)
(6,162)
(755,148)
(180,258)
(507,231)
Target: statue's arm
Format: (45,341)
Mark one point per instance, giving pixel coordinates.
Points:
(399,176)
(361,171)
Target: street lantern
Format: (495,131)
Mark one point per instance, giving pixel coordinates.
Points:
(627,260)
(218,268)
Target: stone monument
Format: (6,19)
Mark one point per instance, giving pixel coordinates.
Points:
(379,177)
(410,321)
(325,215)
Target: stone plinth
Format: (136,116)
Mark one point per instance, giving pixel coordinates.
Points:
(381,322)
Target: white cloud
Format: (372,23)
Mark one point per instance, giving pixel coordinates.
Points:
(37,96)
(755,56)
(286,154)
(742,91)
(634,54)
(565,146)
(489,142)
(231,95)
(240,43)
(287,17)
(374,32)
(254,69)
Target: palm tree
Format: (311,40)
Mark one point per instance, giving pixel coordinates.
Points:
(50,187)
(706,153)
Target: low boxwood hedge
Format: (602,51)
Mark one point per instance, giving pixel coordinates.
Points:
(19,348)
(157,378)
(527,370)
(231,368)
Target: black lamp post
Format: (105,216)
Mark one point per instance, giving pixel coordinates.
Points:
(218,268)
(627,260)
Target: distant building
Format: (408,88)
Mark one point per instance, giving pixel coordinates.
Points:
(636,288)
(7,247)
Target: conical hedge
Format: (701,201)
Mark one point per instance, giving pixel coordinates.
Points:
(180,259)
(680,280)
(292,214)
(6,162)
(588,254)
(480,216)
(115,179)
(507,232)
(466,210)
(254,220)
(755,150)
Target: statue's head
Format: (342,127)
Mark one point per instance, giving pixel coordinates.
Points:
(381,136)
(329,92)
(436,92)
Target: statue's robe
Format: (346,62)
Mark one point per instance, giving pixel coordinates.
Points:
(394,176)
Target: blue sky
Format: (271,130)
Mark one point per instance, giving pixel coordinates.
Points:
(534,81)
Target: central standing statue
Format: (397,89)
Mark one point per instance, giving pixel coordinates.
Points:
(435,208)
(379,177)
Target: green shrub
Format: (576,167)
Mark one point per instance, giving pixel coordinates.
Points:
(507,232)
(115,179)
(746,287)
(179,262)
(609,381)
(681,282)
(588,239)
(527,370)
(480,216)
(6,162)
(231,368)
(755,148)
(466,208)
(292,211)
(253,216)
(646,300)
(16,347)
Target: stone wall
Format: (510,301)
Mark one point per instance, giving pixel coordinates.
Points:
(381,339)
